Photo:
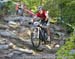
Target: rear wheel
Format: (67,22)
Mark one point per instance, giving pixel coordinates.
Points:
(43,36)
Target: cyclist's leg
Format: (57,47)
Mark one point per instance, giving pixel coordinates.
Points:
(22,12)
(41,32)
(42,22)
(16,12)
(48,30)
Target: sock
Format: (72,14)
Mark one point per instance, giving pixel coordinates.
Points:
(48,38)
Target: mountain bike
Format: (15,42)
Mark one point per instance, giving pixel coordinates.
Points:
(38,34)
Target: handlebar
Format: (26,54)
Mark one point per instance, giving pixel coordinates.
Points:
(30,23)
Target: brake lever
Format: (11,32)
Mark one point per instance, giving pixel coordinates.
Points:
(30,23)
(40,25)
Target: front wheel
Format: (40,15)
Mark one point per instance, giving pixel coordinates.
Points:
(35,41)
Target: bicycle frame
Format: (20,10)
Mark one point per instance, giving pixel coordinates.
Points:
(37,35)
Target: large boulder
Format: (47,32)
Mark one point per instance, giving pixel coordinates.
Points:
(9,34)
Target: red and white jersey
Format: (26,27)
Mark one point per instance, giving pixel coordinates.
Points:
(43,15)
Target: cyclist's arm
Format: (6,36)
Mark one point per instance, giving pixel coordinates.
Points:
(36,17)
(46,14)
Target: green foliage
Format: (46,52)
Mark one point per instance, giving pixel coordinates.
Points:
(52,7)
(64,8)
(56,8)
(10,4)
(8,7)
(64,51)
(68,14)
(33,4)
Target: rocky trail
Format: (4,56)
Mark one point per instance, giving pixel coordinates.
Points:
(15,40)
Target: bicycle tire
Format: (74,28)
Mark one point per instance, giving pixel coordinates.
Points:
(35,45)
(43,36)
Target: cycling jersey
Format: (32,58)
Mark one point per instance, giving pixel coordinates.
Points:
(42,16)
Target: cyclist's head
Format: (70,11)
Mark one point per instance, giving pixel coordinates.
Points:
(40,8)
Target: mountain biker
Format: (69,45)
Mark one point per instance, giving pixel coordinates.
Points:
(16,8)
(43,15)
(19,8)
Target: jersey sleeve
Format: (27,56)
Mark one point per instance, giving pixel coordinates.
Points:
(37,14)
(46,13)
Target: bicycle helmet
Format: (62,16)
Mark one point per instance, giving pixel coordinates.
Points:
(40,8)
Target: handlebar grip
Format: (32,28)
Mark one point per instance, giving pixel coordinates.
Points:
(30,23)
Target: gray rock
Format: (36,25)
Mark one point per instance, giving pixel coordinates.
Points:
(52,30)
(3,27)
(59,34)
(17,18)
(17,52)
(4,46)
(24,50)
(7,34)
(10,54)
(72,51)
(61,42)
(24,21)
(56,27)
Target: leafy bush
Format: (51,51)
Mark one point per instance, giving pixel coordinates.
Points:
(64,51)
